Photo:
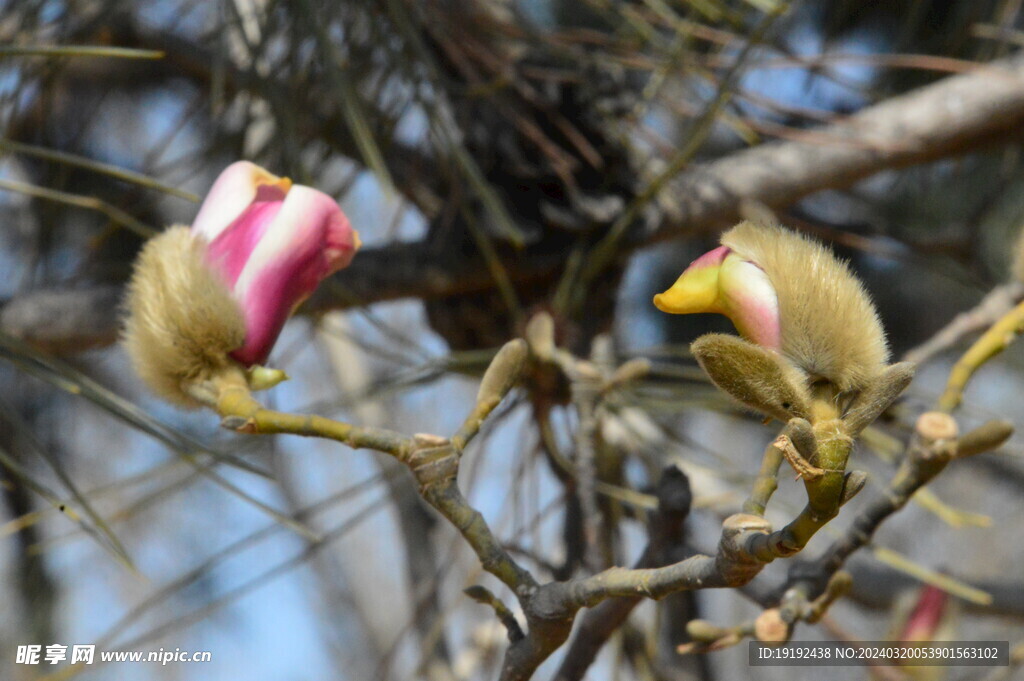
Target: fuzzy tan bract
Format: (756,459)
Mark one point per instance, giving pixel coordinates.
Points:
(181,318)
(755,376)
(829,326)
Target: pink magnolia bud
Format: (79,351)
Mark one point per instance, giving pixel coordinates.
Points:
(926,616)
(273,243)
(203,300)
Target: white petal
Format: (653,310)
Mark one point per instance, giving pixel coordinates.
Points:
(235,189)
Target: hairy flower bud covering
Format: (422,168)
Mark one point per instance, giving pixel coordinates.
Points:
(218,294)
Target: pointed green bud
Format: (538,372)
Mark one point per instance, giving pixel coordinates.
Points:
(263,378)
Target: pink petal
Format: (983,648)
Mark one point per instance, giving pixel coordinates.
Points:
(230,251)
(712,258)
(304,241)
(750,300)
(238,186)
(924,620)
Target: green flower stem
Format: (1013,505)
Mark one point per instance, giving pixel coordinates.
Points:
(433,460)
(244,414)
(824,496)
(767,481)
(999,336)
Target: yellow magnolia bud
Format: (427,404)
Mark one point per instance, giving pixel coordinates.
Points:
(790,294)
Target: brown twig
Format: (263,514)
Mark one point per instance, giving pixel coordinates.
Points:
(674,498)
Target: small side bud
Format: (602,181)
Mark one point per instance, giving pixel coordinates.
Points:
(503,372)
(853,482)
(878,395)
(630,371)
(984,438)
(264,378)
(756,377)
(704,631)
(801,434)
(540,334)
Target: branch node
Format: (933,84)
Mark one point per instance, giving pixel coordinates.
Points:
(736,561)
(483,595)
